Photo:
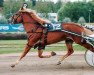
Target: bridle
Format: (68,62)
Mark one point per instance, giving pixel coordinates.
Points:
(14,20)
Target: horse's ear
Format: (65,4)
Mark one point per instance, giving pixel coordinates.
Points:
(25,5)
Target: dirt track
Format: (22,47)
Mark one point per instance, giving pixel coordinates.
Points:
(32,65)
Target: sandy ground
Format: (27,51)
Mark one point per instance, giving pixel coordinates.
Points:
(32,65)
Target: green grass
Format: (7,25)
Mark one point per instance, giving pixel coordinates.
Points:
(16,46)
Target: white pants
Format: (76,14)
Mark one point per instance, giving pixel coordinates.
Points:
(91,35)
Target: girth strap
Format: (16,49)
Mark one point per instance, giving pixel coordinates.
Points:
(43,40)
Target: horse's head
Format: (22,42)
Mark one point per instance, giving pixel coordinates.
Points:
(16,18)
(19,16)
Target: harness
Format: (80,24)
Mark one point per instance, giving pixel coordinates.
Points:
(44,32)
(38,28)
(88,39)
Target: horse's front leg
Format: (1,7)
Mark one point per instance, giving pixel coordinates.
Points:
(40,45)
(22,55)
(40,54)
(70,51)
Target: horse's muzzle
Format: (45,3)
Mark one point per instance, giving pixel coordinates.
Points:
(10,21)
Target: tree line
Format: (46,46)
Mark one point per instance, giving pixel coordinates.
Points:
(70,10)
(76,10)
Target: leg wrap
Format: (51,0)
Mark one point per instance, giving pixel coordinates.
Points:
(69,41)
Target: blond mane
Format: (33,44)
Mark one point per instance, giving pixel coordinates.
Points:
(34,15)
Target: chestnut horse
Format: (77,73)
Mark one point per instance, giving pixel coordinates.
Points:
(35,31)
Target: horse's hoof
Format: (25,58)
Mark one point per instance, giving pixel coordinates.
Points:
(59,63)
(12,65)
(53,53)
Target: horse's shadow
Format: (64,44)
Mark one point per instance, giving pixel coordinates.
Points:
(70,66)
(53,67)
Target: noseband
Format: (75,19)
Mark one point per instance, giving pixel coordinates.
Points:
(14,20)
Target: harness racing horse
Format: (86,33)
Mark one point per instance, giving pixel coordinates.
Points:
(34,32)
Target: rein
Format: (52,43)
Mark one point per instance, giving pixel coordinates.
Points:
(29,22)
(32,30)
(35,24)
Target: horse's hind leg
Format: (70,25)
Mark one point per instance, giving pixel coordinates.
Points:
(23,55)
(70,50)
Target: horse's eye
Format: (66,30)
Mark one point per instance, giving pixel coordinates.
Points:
(16,14)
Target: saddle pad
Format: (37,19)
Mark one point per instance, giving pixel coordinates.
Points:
(54,27)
